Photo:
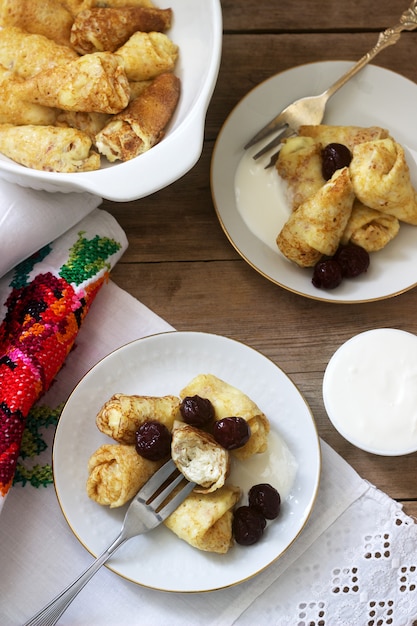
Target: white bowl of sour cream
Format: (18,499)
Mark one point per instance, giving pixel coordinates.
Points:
(370,391)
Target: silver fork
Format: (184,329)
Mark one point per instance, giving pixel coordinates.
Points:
(146,511)
(311,109)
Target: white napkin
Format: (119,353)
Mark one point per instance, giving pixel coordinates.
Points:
(30,219)
(39,554)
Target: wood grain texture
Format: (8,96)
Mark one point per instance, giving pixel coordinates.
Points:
(181,265)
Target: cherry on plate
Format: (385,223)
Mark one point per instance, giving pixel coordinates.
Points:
(231,432)
(153,440)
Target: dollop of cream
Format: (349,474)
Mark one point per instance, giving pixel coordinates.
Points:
(370,391)
(261,198)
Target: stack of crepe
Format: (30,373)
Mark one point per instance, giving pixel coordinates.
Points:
(362,203)
(117,471)
(79,79)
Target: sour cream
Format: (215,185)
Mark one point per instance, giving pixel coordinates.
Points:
(277,466)
(261,199)
(370,391)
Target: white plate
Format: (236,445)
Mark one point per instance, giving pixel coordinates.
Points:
(197,30)
(375,97)
(163,364)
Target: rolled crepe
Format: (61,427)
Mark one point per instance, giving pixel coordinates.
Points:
(349,136)
(93,82)
(44,17)
(121,416)
(146,55)
(14,109)
(370,229)
(142,124)
(27,54)
(89,123)
(48,148)
(205,520)
(316,227)
(98,29)
(199,457)
(300,165)
(228,401)
(88,4)
(381,179)
(116,473)
(136,87)
(74,6)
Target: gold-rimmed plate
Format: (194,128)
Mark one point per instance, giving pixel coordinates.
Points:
(163,364)
(253,219)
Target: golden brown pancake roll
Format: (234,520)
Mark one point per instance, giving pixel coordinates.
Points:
(205,520)
(300,164)
(27,54)
(381,179)
(199,457)
(89,123)
(146,55)
(316,227)
(44,17)
(88,4)
(14,109)
(121,416)
(142,124)
(116,473)
(370,229)
(228,401)
(48,148)
(98,29)
(349,136)
(94,82)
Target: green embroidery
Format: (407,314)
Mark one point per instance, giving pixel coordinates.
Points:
(87,258)
(22,271)
(33,443)
(37,476)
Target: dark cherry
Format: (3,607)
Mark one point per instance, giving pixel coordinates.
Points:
(231,432)
(327,274)
(353,260)
(334,156)
(153,441)
(248,525)
(265,499)
(196,411)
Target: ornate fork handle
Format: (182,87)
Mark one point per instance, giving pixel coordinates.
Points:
(408,21)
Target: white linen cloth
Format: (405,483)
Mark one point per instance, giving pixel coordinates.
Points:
(354,563)
(30,219)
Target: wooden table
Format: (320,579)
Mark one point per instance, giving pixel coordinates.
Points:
(180,263)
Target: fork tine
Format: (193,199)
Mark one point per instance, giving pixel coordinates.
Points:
(276,124)
(161,496)
(176,500)
(287,132)
(152,485)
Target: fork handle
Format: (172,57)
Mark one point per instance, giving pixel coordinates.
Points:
(50,614)
(390,36)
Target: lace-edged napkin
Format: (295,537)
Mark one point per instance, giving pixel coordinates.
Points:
(43,302)
(357,555)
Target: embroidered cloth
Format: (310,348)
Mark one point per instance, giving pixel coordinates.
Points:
(44,301)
